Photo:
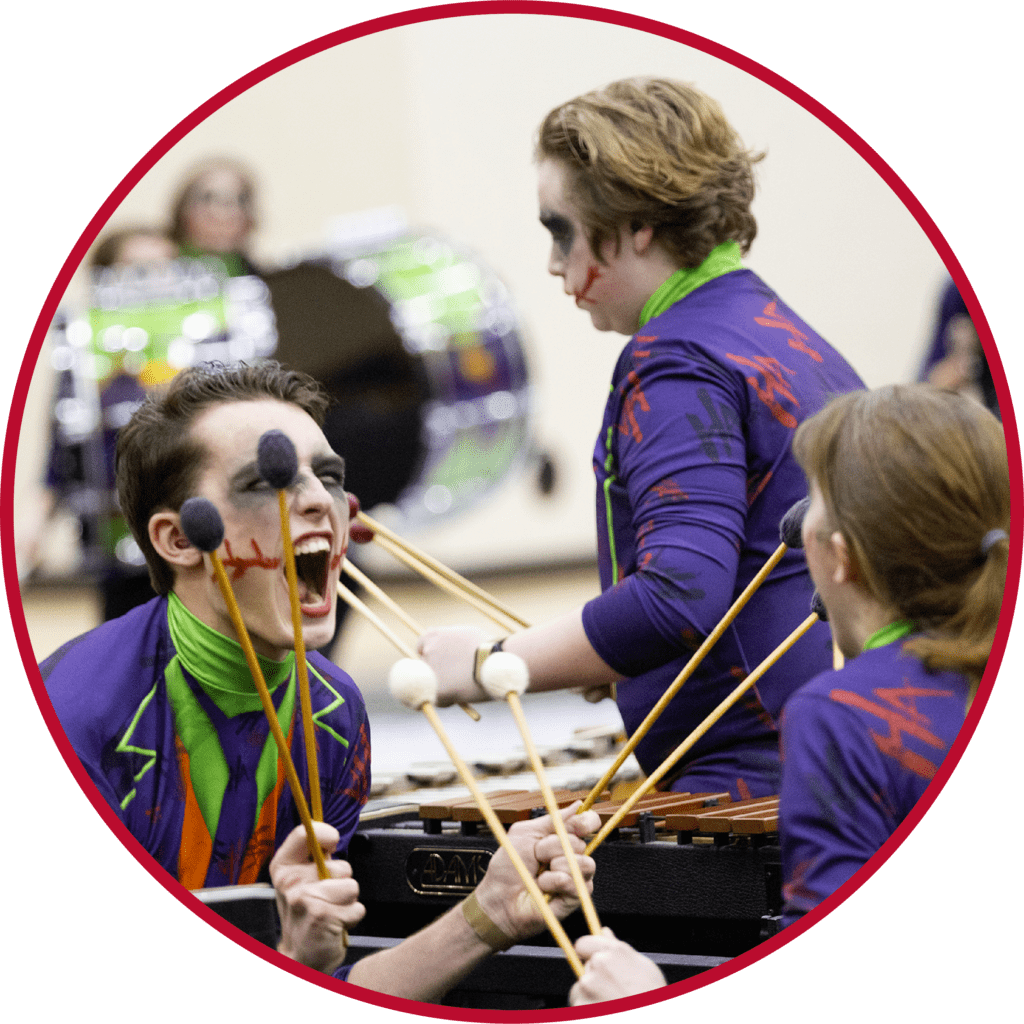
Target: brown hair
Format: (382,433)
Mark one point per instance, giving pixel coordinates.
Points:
(651,151)
(187,192)
(914,478)
(110,249)
(158,460)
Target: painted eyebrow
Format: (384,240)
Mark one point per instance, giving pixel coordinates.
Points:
(245,474)
(553,221)
(332,462)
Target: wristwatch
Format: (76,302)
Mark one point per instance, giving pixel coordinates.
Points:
(483,652)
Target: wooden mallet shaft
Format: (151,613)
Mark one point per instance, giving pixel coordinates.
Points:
(393,606)
(552,922)
(443,583)
(270,711)
(691,666)
(659,773)
(382,627)
(551,803)
(302,671)
(419,560)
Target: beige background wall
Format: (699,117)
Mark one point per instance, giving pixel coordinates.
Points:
(438,119)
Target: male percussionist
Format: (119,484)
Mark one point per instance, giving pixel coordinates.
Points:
(160,707)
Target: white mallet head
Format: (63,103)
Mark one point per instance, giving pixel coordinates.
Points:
(503,673)
(413,682)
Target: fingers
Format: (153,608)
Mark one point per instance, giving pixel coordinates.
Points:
(295,850)
(614,969)
(325,905)
(451,652)
(585,824)
(588,945)
(557,880)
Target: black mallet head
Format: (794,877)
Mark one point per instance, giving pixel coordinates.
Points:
(818,607)
(202,524)
(792,524)
(276,458)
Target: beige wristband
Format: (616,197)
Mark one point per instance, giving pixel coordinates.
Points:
(487,931)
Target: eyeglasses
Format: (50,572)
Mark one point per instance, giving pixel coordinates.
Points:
(232,200)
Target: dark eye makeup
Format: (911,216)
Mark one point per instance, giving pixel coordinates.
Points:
(330,469)
(563,234)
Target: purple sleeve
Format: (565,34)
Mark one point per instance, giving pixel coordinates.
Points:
(683,467)
(832,806)
(347,792)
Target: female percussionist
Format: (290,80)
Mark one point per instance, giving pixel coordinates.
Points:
(906,539)
(646,191)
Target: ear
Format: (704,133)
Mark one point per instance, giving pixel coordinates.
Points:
(846,565)
(170,542)
(642,239)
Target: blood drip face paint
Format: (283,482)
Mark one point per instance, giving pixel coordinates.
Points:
(593,273)
(253,549)
(608,287)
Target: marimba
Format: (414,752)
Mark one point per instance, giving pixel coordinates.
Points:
(691,880)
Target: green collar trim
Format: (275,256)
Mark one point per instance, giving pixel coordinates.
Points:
(231,262)
(887,634)
(208,769)
(218,662)
(723,259)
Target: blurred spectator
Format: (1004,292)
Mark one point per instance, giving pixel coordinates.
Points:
(133,247)
(79,471)
(955,359)
(214,215)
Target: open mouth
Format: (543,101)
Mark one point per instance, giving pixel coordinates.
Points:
(312,562)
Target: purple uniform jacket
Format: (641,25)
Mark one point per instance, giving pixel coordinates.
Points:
(694,473)
(859,748)
(138,719)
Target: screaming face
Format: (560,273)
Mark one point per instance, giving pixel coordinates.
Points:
(253,547)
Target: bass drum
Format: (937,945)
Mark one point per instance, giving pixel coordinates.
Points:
(419,346)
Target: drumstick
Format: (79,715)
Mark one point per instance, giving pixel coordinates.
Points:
(375,620)
(278,465)
(789,530)
(655,777)
(393,606)
(443,583)
(204,528)
(505,676)
(423,560)
(413,683)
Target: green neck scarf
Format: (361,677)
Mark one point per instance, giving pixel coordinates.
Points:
(218,662)
(232,262)
(723,259)
(887,634)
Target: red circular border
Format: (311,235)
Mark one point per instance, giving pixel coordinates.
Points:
(486,7)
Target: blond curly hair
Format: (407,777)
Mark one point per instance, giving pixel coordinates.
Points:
(652,151)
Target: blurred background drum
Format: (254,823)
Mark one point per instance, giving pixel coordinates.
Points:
(418,343)
(415,340)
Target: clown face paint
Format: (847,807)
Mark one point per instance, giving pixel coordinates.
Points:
(253,549)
